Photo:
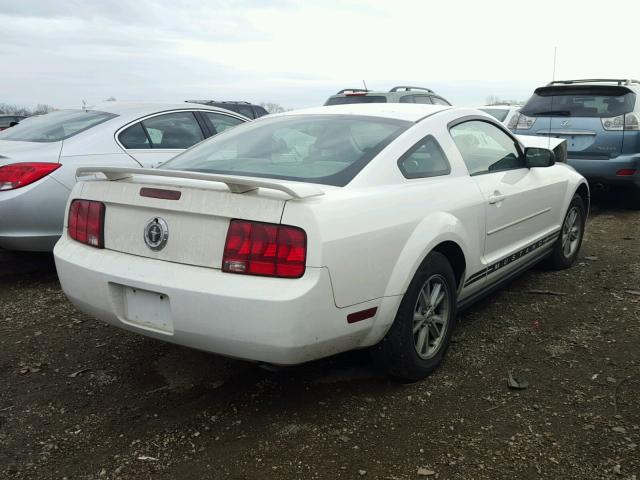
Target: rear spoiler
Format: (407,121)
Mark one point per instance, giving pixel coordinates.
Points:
(236,184)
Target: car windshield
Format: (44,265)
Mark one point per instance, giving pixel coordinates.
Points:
(326,149)
(356,99)
(577,101)
(498,114)
(55,126)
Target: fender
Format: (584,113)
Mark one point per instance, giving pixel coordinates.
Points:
(431,231)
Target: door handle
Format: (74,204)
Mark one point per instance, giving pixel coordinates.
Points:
(496,197)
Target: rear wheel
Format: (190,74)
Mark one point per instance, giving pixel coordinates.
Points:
(566,248)
(422,329)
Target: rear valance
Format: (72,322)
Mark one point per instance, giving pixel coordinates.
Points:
(236,184)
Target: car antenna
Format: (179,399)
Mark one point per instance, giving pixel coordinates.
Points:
(553,79)
(365,85)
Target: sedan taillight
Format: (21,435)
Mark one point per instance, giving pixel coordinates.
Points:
(16,175)
(267,249)
(86,222)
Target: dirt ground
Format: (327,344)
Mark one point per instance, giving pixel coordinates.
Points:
(83,400)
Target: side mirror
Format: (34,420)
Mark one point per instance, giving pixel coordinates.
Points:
(539,157)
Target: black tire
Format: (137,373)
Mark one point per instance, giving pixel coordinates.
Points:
(633,199)
(560,259)
(397,353)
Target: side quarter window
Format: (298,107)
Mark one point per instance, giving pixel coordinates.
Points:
(177,130)
(134,137)
(424,159)
(485,148)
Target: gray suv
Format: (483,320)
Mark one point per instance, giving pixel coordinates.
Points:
(600,120)
(400,94)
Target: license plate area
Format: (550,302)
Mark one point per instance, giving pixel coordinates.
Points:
(150,310)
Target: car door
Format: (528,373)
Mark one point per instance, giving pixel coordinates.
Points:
(521,203)
(158,138)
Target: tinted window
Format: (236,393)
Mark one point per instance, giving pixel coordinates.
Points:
(56,126)
(260,112)
(440,101)
(246,110)
(498,114)
(356,99)
(221,122)
(579,101)
(486,148)
(329,149)
(406,99)
(422,99)
(173,130)
(425,159)
(134,137)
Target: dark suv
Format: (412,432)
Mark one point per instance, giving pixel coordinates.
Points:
(243,108)
(400,94)
(600,120)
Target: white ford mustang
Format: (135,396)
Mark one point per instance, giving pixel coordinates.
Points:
(308,233)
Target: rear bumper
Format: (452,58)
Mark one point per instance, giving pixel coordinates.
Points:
(31,217)
(278,321)
(604,171)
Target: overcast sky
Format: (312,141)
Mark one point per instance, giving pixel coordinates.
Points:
(296,53)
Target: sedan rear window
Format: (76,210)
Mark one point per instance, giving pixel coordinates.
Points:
(326,149)
(56,126)
(356,99)
(578,101)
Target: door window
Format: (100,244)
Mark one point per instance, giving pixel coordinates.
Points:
(422,99)
(221,122)
(177,130)
(424,159)
(485,148)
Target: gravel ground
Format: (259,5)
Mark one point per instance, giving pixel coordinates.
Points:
(83,400)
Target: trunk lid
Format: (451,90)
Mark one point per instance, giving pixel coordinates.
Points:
(197,222)
(586,137)
(14,152)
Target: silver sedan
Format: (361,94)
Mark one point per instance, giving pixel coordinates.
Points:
(39,158)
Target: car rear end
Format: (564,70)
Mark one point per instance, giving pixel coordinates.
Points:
(200,253)
(32,198)
(600,121)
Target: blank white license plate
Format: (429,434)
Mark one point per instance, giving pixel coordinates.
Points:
(148,309)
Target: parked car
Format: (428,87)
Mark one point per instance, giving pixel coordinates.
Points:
(39,159)
(7,121)
(304,234)
(600,119)
(246,109)
(506,114)
(400,94)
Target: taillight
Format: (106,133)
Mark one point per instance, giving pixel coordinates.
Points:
(86,222)
(629,121)
(16,175)
(524,122)
(626,172)
(267,249)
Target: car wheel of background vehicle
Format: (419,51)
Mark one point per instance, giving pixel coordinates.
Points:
(418,339)
(566,248)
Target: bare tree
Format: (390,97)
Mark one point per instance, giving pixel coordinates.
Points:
(111,99)
(273,107)
(25,111)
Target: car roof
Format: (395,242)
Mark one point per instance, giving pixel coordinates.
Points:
(501,107)
(126,109)
(411,112)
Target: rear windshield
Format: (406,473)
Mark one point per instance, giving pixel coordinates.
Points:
(55,126)
(356,99)
(499,115)
(579,101)
(326,149)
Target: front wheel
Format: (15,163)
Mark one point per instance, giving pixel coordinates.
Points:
(565,250)
(418,339)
